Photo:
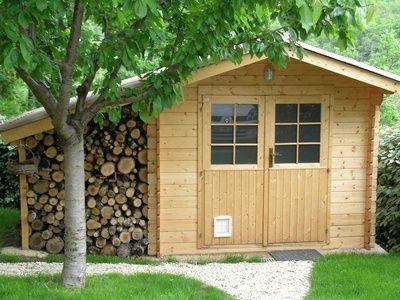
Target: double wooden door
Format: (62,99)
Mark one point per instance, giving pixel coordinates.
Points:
(265,166)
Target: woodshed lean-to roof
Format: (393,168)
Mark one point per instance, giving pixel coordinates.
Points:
(37,120)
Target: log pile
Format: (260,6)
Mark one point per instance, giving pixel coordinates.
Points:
(116,189)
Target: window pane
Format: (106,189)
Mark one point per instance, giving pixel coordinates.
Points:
(310,133)
(309,154)
(222,134)
(310,113)
(246,134)
(285,154)
(222,113)
(221,155)
(246,113)
(286,113)
(285,134)
(246,155)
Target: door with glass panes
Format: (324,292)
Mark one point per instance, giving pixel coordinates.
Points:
(258,155)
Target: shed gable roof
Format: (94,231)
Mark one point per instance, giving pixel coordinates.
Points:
(24,125)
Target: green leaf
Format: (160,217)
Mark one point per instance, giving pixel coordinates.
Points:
(23,19)
(306,15)
(144,115)
(41,4)
(152,4)
(25,51)
(140,8)
(114,115)
(317,11)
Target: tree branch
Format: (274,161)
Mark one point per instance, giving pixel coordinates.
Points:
(99,105)
(83,90)
(41,92)
(67,67)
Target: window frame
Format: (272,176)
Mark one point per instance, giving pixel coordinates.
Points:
(324,130)
(207,125)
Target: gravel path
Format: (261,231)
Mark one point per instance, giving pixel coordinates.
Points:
(268,280)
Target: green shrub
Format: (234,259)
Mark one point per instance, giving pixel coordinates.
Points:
(388,201)
(9,192)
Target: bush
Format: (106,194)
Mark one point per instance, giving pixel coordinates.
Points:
(388,200)
(9,191)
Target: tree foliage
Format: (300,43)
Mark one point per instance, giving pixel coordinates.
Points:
(378,45)
(9,192)
(388,203)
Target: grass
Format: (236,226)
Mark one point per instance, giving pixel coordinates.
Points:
(112,286)
(356,276)
(9,219)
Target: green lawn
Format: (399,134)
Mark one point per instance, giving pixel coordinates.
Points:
(356,276)
(9,219)
(112,286)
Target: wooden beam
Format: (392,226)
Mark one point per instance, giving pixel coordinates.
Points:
(347,70)
(23,189)
(222,67)
(372,171)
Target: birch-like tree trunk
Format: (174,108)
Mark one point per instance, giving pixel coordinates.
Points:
(74,268)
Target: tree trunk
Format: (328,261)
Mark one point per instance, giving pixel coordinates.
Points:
(74,268)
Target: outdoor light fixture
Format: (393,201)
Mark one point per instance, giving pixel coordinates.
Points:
(268,73)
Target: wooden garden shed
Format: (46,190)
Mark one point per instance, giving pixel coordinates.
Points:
(255,158)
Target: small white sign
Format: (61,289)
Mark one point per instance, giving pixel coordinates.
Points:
(223,226)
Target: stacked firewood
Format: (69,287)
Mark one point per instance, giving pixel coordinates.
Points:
(116,189)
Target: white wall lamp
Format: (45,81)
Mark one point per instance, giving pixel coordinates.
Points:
(268,73)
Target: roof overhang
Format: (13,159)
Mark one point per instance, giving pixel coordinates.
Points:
(37,120)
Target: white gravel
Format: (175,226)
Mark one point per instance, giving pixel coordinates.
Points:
(268,280)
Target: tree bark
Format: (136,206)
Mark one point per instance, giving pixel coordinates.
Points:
(74,268)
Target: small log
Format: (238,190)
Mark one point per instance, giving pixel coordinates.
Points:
(115,241)
(142,141)
(55,245)
(53,192)
(48,140)
(57,176)
(47,234)
(142,156)
(92,224)
(41,187)
(120,199)
(124,250)
(125,237)
(101,242)
(138,249)
(51,152)
(91,203)
(143,174)
(59,215)
(53,201)
(126,165)
(61,194)
(32,216)
(93,190)
(107,169)
(44,198)
(31,142)
(135,133)
(36,242)
(50,218)
(105,233)
(112,230)
(117,150)
(142,187)
(128,151)
(37,225)
(48,208)
(31,201)
(131,123)
(60,157)
(39,136)
(108,250)
(137,202)
(107,212)
(137,234)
